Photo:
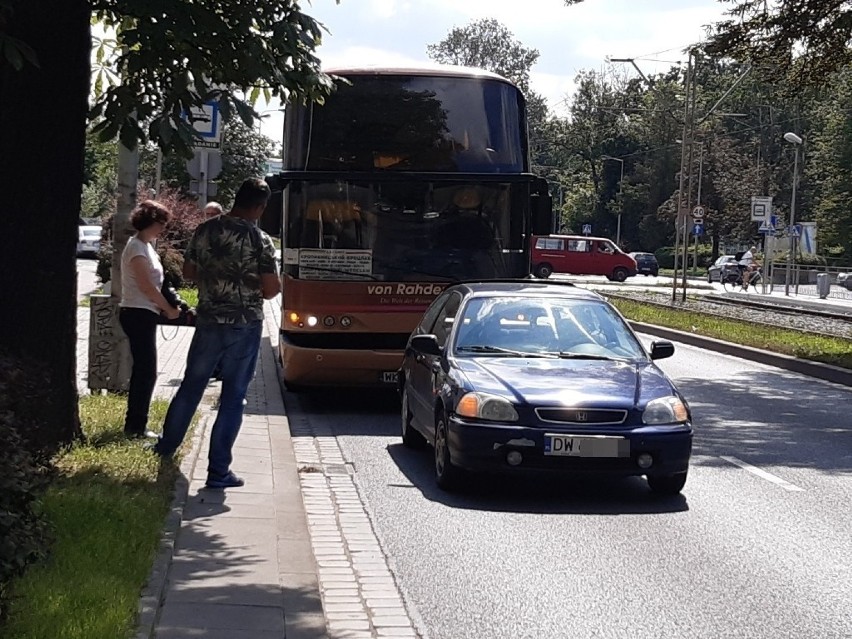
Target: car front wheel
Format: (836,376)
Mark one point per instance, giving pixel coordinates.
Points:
(543,271)
(667,484)
(447,475)
(619,274)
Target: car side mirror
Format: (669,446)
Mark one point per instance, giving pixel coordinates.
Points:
(426,344)
(661,349)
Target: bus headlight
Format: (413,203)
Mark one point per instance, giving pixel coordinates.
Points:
(485,406)
(312,320)
(665,410)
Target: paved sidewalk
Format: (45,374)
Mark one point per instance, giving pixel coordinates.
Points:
(234,564)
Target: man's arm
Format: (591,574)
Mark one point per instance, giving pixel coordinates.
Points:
(270,285)
(270,282)
(190,271)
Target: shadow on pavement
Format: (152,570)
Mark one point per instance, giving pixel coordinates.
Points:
(771,419)
(541,494)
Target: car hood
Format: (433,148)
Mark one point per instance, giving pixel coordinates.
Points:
(566,382)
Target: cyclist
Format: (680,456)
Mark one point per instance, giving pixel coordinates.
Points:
(748,265)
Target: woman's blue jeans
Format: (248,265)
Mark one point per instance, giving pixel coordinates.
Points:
(234,347)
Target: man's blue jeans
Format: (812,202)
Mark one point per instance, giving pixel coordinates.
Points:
(234,347)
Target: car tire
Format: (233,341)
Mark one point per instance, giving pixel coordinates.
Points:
(411,438)
(447,475)
(667,484)
(619,274)
(543,271)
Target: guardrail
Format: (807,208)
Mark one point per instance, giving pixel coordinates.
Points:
(803,279)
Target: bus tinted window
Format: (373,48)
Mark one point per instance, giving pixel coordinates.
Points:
(404,231)
(412,123)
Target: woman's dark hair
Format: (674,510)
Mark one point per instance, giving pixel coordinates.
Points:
(148,213)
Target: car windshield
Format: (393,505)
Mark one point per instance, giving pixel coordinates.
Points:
(555,326)
(91,232)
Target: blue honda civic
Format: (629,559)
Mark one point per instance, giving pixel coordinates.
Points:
(529,376)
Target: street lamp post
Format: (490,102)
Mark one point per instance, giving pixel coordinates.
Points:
(620,197)
(796,141)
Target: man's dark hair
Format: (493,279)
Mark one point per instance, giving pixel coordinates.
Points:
(253,192)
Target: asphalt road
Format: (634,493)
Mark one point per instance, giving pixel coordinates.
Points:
(87,281)
(759,545)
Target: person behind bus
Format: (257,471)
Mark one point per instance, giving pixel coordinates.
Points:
(233,262)
(141,303)
(748,265)
(212,209)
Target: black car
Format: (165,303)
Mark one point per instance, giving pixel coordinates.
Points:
(534,376)
(646,264)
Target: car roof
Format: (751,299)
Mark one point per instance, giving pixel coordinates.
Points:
(502,288)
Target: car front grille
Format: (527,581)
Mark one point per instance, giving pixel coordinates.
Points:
(581,416)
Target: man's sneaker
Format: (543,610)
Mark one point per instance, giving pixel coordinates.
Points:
(228,481)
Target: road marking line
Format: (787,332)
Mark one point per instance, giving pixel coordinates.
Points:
(763,474)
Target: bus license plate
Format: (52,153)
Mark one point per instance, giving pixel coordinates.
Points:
(389,377)
(586,446)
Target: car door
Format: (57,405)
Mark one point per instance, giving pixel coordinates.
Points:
(425,371)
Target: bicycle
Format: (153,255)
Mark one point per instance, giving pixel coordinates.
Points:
(732,281)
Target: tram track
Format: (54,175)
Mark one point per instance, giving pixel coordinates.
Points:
(807,321)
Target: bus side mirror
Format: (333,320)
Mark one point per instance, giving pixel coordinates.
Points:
(542,210)
(270,221)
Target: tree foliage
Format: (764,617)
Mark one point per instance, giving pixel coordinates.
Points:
(804,40)
(158,59)
(487,44)
(157,69)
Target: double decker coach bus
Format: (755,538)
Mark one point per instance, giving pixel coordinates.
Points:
(403,182)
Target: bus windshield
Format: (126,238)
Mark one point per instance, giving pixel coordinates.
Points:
(411,123)
(404,231)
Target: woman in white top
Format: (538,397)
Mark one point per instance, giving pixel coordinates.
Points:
(141,304)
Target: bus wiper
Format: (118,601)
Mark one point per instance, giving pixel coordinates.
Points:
(335,270)
(407,269)
(495,350)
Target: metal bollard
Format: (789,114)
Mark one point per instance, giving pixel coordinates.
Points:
(823,285)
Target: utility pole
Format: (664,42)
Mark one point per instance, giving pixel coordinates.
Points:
(680,217)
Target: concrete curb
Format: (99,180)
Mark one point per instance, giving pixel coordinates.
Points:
(826,372)
(151,599)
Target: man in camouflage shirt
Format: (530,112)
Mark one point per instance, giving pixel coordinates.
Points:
(233,262)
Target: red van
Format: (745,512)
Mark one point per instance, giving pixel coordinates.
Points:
(580,255)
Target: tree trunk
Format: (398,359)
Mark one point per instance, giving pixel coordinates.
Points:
(42,139)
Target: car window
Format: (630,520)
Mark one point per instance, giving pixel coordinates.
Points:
(579,246)
(549,243)
(545,325)
(431,313)
(445,319)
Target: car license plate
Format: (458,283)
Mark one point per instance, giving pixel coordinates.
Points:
(586,446)
(389,377)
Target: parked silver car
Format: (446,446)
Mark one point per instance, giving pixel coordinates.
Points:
(722,264)
(88,241)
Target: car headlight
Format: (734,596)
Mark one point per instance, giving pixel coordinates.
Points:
(484,406)
(665,410)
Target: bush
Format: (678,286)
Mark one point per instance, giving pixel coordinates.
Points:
(172,260)
(22,530)
(665,256)
(185,217)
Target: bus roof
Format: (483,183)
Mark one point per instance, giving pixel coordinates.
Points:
(424,69)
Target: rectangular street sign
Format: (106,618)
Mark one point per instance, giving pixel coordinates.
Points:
(761,207)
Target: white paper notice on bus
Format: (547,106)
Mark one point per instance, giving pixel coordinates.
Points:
(335,264)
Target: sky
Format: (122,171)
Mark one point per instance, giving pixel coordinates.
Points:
(569,39)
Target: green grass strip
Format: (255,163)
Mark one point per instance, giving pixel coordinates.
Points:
(190,296)
(817,348)
(106,510)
